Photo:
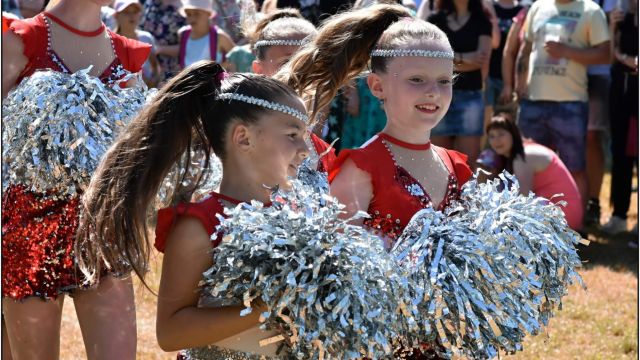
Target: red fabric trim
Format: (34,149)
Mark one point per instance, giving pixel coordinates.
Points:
(131,53)
(205,211)
(404,144)
(92,33)
(33,33)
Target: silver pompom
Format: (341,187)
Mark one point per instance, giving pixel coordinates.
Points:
(329,287)
(57,126)
(490,270)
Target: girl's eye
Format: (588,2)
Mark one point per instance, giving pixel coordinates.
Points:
(444,82)
(415,80)
(293,136)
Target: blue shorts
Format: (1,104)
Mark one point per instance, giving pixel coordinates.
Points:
(561,126)
(492,91)
(465,116)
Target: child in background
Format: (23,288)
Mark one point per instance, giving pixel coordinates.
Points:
(200,39)
(276,37)
(127,15)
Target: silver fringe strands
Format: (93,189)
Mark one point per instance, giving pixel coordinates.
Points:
(329,285)
(490,270)
(57,126)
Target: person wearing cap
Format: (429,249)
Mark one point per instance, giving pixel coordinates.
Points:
(200,39)
(127,15)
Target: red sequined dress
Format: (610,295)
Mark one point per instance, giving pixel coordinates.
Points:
(397,195)
(38,228)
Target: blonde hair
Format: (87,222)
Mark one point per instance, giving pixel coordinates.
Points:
(342,50)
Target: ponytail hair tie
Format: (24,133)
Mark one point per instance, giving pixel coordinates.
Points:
(222,75)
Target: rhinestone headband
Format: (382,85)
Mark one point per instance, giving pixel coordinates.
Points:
(279,42)
(412,52)
(266,104)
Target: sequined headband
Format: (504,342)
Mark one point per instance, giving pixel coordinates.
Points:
(266,104)
(279,42)
(412,52)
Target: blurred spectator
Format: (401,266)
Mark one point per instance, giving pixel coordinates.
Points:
(162,19)
(201,40)
(365,115)
(127,15)
(623,114)
(598,84)
(513,44)
(108,16)
(469,31)
(11,6)
(240,58)
(562,37)
(228,18)
(505,11)
(537,168)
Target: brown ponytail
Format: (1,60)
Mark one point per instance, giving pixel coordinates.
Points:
(185,115)
(340,51)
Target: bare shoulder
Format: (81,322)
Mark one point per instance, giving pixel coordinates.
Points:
(188,236)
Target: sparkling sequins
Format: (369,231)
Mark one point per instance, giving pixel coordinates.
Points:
(266,104)
(38,232)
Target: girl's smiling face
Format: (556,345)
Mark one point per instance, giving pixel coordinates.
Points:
(416,91)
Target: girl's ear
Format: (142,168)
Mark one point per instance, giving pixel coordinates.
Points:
(241,137)
(375,85)
(256,67)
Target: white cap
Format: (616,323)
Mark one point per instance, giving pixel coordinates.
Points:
(206,5)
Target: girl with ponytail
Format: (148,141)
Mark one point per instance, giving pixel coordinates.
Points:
(260,143)
(397,172)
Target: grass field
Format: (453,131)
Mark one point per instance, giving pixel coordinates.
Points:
(599,323)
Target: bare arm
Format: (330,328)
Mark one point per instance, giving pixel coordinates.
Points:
(475,60)
(522,68)
(13,60)
(508,62)
(180,323)
(524,172)
(598,54)
(352,186)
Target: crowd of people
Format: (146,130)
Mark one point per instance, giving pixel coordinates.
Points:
(545,90)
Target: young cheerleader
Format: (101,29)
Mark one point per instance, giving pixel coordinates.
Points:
(256,126)
(397,172)
(275,39)
(38,229)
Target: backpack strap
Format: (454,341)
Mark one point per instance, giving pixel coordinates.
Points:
(184,37)
(213,44)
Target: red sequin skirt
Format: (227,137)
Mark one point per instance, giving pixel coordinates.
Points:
(38,232)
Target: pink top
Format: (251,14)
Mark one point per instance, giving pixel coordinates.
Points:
(556,179)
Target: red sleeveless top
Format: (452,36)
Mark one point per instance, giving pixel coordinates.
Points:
(397,195)
(130,54)
(204,210)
